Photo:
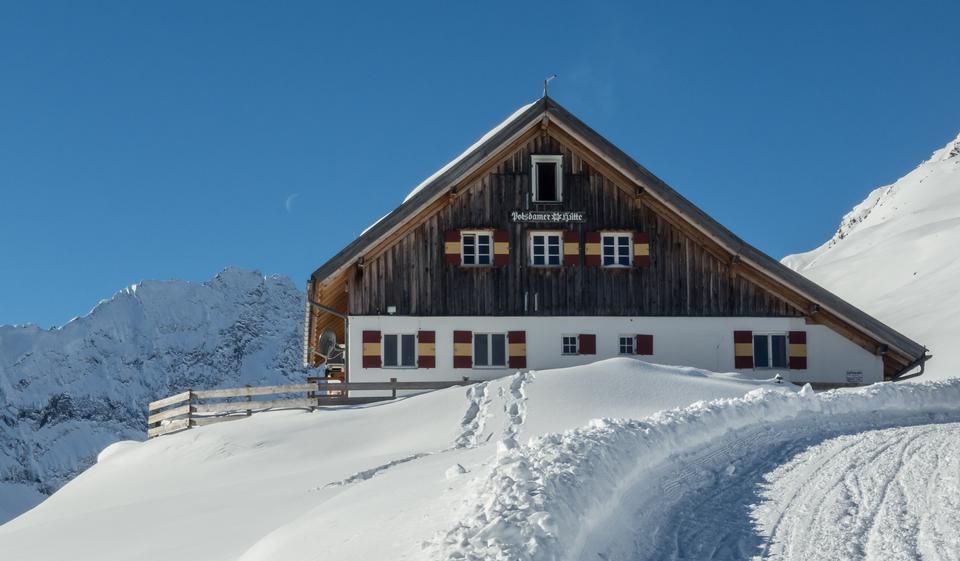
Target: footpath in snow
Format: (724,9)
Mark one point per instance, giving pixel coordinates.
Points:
(579,463)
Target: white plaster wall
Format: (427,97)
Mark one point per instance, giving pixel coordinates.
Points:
(700,342)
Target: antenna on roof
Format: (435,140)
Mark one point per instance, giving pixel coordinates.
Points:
(547,81)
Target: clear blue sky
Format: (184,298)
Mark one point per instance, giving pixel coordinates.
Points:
(156,140)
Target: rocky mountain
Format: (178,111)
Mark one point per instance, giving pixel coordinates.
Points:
(897,256)
(68,392)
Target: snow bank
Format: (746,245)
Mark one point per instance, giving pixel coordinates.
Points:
(544,500)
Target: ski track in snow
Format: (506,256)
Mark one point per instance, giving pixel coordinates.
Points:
(823,496)
(475,419)
(515,406)
(374,471)
(871,474)
(471,427)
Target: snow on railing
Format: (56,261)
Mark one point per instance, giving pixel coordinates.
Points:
(194,408)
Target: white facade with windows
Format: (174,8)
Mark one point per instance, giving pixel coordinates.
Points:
(699,342)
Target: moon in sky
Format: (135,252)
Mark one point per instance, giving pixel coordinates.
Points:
(289,203)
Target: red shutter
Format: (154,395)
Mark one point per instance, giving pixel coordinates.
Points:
(644,345)
(451,247)
(426,349)
(371,349)
(641,249)
(797,350)
(501,248)
(463,349)
(591,250)
(743,349)
(571,249)
(517,349)
(587,344)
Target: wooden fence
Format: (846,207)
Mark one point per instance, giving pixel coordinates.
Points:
(204,407)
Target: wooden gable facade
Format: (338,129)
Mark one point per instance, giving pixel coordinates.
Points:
(402,265)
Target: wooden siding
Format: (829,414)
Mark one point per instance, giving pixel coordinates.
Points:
(683,279)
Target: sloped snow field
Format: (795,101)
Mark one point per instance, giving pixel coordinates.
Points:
(895,256)
(571,464)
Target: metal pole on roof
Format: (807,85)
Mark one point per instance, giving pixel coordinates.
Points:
(547,81)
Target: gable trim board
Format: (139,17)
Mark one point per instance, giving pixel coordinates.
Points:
(819,305)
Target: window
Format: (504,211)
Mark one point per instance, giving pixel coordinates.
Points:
(545,249)
(770,350)
(476,248)
(617,250)
(490,350)
(570,345)
(547,179)
(399,351)
(626,344)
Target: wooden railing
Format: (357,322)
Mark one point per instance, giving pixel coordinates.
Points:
(194,408)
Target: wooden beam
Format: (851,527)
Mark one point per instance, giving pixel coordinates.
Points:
(169,414)
(160,403)
(262,390)
(229,407)
(167,428)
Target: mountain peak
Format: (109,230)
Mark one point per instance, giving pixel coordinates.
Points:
(951,150)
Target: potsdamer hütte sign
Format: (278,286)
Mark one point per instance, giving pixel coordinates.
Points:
(554,216)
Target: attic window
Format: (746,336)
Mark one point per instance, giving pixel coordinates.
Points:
(547,179)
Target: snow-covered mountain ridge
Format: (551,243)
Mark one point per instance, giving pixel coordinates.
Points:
(895,255)
(68,392)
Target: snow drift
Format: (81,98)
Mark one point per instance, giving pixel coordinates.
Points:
(895,256)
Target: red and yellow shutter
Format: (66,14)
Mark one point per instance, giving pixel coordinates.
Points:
(371,349)
(571,249)
(591,249)
(463,349)
(426,349)
(797,350)
(644,345)
(517,349)
(641,249)
(451,247)
(743,349)
(501,248)
(587,344)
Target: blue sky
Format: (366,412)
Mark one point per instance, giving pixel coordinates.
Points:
(156,140)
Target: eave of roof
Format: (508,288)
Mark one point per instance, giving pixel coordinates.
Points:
(522,121)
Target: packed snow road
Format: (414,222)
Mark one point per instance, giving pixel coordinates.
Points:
(872,474)
(881,494)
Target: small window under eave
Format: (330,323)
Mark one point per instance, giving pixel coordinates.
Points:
(547,179)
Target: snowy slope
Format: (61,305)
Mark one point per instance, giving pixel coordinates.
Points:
(896,256)
(260,488)
(70,391)
(510,469)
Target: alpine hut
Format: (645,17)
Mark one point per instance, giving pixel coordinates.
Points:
(544,245)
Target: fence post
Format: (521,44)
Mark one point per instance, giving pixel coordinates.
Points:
(249,399)
(189,407)
(394,392)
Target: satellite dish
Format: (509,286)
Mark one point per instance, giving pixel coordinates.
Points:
(328,342)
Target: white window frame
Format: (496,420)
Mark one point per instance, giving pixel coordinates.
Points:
(399,365)
(769,336)
(632,344)
(476,255)
(616,255)
(563,345)
(546,246)
(539,159)
(489,336)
